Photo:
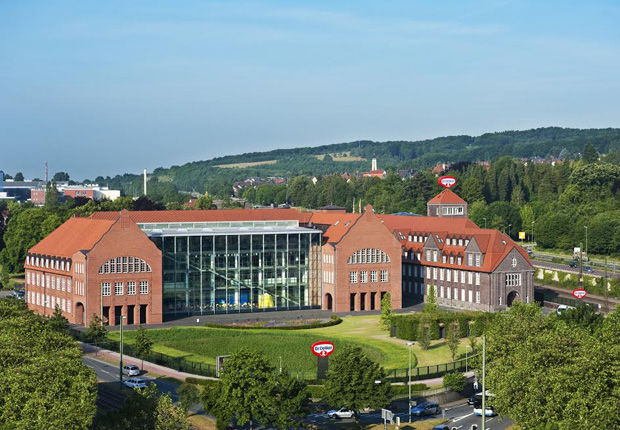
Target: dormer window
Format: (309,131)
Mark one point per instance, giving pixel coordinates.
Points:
(443,259)
(467,242)
(459,261)
(410,238)
(447,241)
(460,242)
(452,259)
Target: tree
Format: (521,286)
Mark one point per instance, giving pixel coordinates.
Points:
(454,380)
(583,316)
(19,176)
(352,381)
(424,331)
(96,332)
(590,155)
(168,416)
(143,346)
(453,338)
(51,194)
(189,395)
(290,402)
(204,202)
(431,301)
(60,177)
(57,321)
(386,311)
(43,381)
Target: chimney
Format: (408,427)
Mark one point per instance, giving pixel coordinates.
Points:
(374,164)
(145,182)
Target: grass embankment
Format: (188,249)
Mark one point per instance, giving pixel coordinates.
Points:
(202,344)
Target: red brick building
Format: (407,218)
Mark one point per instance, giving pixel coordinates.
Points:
(150,266)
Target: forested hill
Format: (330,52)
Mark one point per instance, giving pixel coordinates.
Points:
(218,174)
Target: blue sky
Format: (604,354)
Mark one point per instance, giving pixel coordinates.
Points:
(107,87)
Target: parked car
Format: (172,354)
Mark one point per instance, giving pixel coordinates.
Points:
(131,370)
(425,409)
(18,294)
(340,413)
(135,383)
(561,309)
(529,251)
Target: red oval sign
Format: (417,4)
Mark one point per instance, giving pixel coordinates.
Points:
(447,181)
(322,349)
(579,293)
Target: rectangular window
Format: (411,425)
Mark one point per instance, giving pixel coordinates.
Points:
(53,283)
(435,273)
(478,260)
(456,275)
(456,293)
(444,259)
(441,271)
(441,292)
(144,287)
(477,296)
(452,259)
(118,288)
(64,305)
(448,292)
(470,278)
(363,276)
(448,275)
(69,306)
(105,289)
(373,276)
(513,279)
(64,284)
(471,296)
(353,277)
(459,261)
(428,255)
(384,276)
(470,259)
(477,278)
(68,285)
(38,298)
(462,294)
(462,276)
(131,288)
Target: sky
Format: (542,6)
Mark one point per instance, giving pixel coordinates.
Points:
(110,87)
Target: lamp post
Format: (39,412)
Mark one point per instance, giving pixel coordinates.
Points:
(466,346)
(484,388)
(532,233)
(409,384)
(485,222)
(586,227)
(120,363)
(509,229)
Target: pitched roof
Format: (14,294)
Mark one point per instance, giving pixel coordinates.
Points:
(447,196)
(205,215)
(74,235)
(337,224)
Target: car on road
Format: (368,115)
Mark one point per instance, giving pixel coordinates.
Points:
(441,427)
(425,409)
(18,294)
(588,269)
(134,383)
(131,370)
(573,264)
(529,251)
(489,411)
(561,309)
(472,400)
(340,413)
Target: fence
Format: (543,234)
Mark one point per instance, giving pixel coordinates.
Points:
(203,369)
(176,363)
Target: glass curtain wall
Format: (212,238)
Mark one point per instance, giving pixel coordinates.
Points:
(240,272)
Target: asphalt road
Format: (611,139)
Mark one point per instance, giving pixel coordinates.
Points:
(461,417)
(566,268)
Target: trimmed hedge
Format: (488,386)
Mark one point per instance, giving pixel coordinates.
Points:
(316,391)
(469,323)
(335,320)
(202,382)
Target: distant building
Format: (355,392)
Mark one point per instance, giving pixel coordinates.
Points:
(440,168)
(92,192)
(374,171)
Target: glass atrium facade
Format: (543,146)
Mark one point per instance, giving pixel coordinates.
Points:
(237,266)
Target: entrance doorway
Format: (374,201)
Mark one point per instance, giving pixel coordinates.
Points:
(352,302)
(79,313)
(130,312)
(362,301)
(373,297)
(513,296)
(329,301)
(143,314)
(106,315)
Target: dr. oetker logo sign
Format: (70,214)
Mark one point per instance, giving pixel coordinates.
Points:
(580,293)
(447,181)
(322,349)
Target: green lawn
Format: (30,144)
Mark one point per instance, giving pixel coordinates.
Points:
(202,344)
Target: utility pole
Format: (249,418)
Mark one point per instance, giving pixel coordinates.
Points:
(580,265)
(484,387)
(606,289)
(587,258)
(120,363)
(410,353)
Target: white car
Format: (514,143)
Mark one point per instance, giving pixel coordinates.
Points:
(561,309)
(340,413)
(131,370)
(488,411)
(135,383)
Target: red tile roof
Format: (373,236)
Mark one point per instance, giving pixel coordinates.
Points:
(205,215)
(338,224)
(447,196)
(74,235)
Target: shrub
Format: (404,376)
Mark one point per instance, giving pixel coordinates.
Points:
(454,380)
(335,320)
(407,326)
(202,382)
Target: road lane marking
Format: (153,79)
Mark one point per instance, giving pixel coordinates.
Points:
(463,417)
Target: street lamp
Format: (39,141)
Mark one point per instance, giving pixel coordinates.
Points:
(484,388)
(485,222)
(120,363)
(509,229)
(410,353)
(466,346)
(532,233)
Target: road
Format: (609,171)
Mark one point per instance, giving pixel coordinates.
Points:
(461,417)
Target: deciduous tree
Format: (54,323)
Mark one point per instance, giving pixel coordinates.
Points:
(386,312)
(143,346)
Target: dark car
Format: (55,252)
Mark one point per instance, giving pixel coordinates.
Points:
(425,409)
(588,269)
(441,427)
(573,264)
(471,400)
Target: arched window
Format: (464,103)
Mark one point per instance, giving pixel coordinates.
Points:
(368,255)
(124,265)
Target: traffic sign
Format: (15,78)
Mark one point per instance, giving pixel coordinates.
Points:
(521,235)
(322,349)
(447,181)
(579,293)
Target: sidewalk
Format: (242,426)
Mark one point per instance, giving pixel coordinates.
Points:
(148,366)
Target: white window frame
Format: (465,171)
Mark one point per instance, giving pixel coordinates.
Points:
(384,276)
(105,289)
(118,286)
(144,287)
